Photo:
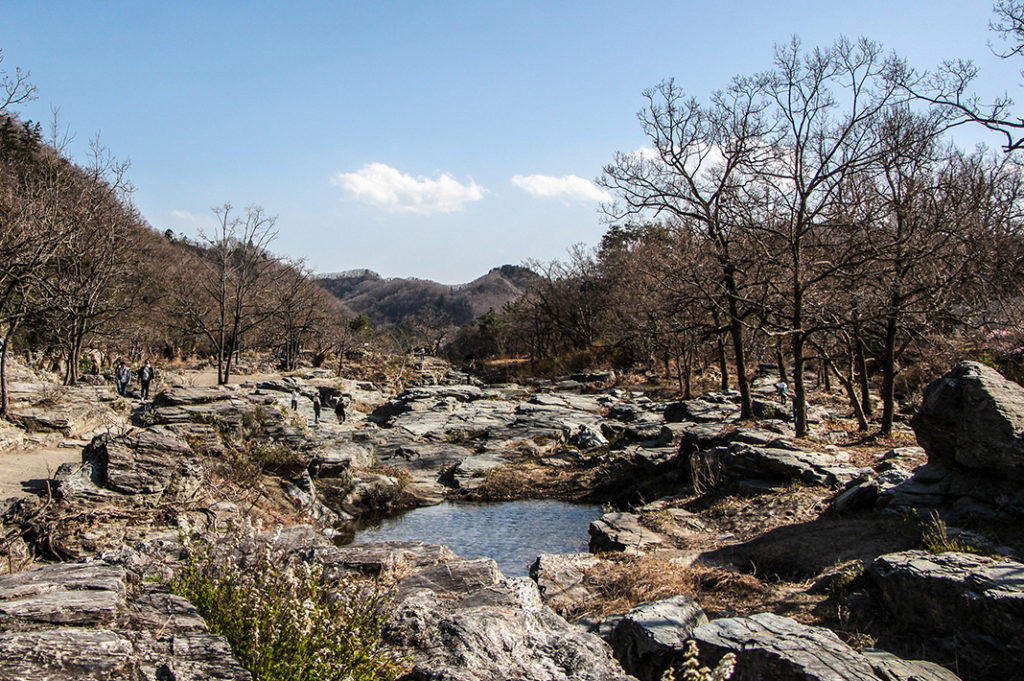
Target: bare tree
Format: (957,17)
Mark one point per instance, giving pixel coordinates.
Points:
(226,291)
(702,157)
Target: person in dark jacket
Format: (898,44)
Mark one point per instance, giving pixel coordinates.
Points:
(145,376)
(339,409)
(122,375)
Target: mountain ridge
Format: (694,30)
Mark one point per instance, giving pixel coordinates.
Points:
(393,300)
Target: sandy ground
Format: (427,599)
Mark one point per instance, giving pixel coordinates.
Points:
(25,471)
(209,377)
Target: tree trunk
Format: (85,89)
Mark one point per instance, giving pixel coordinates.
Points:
(889,376)
(780,359)
(4,399)
(851,393)
(862,372)
(736,331)
(799,389)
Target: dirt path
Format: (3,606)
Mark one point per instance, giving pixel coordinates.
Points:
(208,377)
(25,471)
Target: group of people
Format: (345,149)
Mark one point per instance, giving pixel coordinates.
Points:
(123,376)
(339,406)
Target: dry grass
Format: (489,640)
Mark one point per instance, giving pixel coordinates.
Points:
(619,582)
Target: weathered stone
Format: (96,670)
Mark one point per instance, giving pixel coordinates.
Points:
(771,647)
(65,653)
(559,578)
(621,532)
(652,636)
(888,667)
(977,598)
(973,418)
(740,461)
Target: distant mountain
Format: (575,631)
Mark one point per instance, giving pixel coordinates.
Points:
(388,302)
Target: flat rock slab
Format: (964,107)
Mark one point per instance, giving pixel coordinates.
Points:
(559,578)
(652,636)
(771,647)
(978,598)
(621,532)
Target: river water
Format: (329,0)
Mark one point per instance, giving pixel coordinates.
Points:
(513,533)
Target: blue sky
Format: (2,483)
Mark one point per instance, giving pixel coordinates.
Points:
(426,139)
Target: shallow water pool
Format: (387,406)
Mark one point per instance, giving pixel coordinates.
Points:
(513,533)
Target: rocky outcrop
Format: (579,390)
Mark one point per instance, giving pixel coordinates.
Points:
(771,647)
(559,578)
(621,532)
(99,621)
(144,466)
(976,599)
(651,637)
(971,424)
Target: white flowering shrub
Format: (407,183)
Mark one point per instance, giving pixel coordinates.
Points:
(692,671)
(284,622)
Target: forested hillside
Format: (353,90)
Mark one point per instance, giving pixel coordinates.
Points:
(390,302)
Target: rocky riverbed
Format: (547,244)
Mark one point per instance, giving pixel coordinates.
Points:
(801,556)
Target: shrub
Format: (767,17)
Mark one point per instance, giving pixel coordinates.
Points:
(283,620)
(692,671)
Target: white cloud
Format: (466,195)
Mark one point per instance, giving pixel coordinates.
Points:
(565,187)
(378,184)
(185,216)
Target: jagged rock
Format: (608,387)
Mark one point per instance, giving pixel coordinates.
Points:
(741,461)
(470,631)
(83,621)
(771,647)
(621,532)
(888,667)
(975,598)
(701,411)
(651,637)
(587,437)
(470,473)
(71,419)
(559,578)
(153,463)
(179,395)
(973,418)
(337,459)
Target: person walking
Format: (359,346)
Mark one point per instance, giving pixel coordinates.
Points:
(783,391)
(122,375)
(316,408)
(145,376)
(295,400)
(339,409)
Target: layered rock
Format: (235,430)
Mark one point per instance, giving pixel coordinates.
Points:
(971,424)
(98,621)
(976,599)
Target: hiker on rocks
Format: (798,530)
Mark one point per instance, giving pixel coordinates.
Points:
(316,408)
(783,391)
(339,409)
(295,400)
(145,376)
(122,375)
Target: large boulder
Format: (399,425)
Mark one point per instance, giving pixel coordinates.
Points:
(971,424)
(652,636)
(978,600)
(100,621)
(621,532)
(973,418)
(768,646)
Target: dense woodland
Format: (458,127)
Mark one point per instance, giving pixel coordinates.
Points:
(815,216)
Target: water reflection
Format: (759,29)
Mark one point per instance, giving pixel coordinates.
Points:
(513,533)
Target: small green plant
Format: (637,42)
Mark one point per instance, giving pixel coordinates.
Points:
(692,671)
(282,619)
(935,538)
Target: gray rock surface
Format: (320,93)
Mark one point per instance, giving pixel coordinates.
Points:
(559,578)
(778,648)
(652,636)
(621,532)
(98,621)
(971,424)
(978,599)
